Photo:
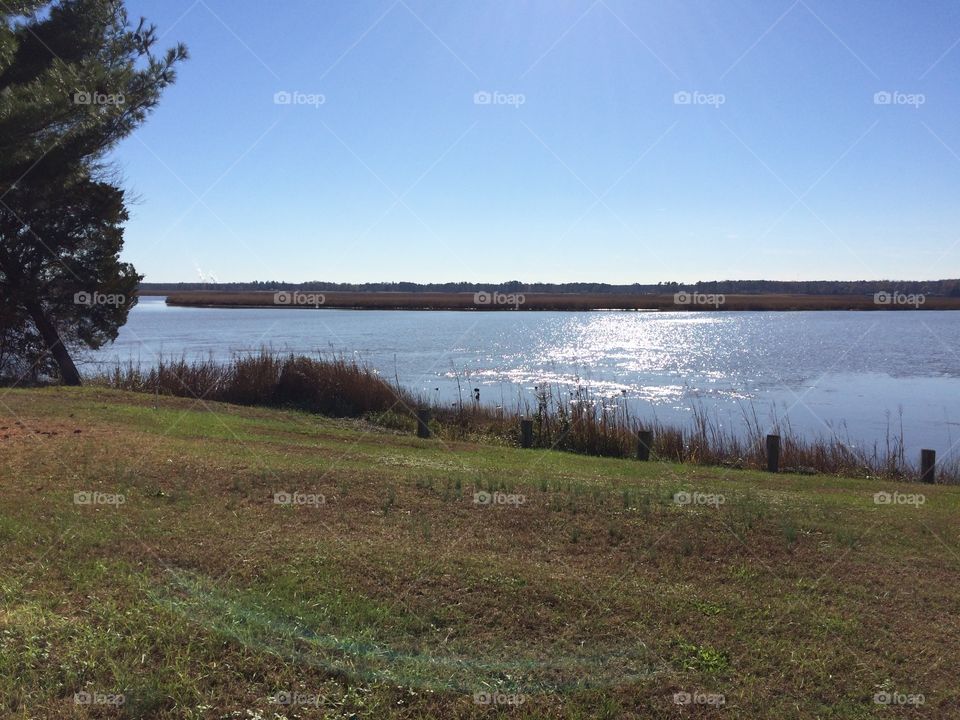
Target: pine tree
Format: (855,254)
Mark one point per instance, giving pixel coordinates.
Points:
(75,78)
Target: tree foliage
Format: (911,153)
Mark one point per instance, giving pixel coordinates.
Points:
(76,77)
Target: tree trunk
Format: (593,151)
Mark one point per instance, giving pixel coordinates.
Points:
(69,374)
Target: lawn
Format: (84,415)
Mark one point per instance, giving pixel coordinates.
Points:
(178,559)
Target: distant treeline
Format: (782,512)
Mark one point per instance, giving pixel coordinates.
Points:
(948,288)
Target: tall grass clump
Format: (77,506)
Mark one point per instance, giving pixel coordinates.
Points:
(569,420)
(332,386)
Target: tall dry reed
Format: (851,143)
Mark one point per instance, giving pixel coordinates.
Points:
(569,420)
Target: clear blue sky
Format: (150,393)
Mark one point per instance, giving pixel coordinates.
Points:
(782,166)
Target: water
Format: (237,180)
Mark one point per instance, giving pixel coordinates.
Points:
(851,373)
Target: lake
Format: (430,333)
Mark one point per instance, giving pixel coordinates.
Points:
(850,373)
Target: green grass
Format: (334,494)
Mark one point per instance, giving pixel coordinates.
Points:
(593,595)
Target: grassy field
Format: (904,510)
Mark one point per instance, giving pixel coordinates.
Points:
(551,301)
(428,579)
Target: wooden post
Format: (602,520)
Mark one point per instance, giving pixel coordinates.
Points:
(526,433)
(928,463)
(423,422)
(773,453)
(644,444)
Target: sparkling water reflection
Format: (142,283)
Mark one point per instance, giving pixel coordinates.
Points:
(817,369)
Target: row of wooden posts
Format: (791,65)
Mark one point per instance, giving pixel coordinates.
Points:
(928,458)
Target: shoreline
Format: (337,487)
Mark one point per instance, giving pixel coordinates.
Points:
(569,302)
(565,422)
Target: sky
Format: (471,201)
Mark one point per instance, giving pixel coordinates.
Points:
(610,141)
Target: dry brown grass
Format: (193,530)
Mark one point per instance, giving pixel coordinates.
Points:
(575,422)
(332,386)
(548,301)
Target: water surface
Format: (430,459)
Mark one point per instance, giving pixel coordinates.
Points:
(854,373)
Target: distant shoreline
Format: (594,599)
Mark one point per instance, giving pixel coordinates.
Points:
(571,302)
